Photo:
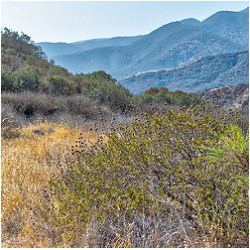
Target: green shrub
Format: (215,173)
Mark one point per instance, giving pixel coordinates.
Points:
(27,78)
(7,80)
(109,92)
(56,71)
(163,95)
(101,76)
(59,85)
(10,51)
(14,44)
(158,165)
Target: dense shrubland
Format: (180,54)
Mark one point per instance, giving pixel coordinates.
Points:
(161,169)
(185,165)
(25,68)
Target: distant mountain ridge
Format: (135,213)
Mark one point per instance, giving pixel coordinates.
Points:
(172,45)
(204,73)
(191,21)
(55,49)
(229,24)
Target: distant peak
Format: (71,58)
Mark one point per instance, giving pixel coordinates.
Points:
(190,21)
(246,10)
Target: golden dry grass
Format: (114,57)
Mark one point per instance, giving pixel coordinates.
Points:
(27,164)
(28,161)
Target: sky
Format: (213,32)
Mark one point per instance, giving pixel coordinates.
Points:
(76,21)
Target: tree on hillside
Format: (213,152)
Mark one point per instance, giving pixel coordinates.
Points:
(21,44)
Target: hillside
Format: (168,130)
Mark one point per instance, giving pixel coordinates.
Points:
(87,164)
(204,73)
(56,49)
(234,97)
(229,24)
(169,46)
(25,68)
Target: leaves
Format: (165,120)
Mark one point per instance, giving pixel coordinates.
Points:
(164,162)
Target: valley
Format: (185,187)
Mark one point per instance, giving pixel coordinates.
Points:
(172,45)
(132,141)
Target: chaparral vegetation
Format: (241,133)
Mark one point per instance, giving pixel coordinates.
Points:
(85,163)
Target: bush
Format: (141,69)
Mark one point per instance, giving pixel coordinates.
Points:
(26,78)
(109,92)
(7,80)
(58,85)
(100,76)
(56,70)
(75,109)
(163,95)
(19,44)
(159,165)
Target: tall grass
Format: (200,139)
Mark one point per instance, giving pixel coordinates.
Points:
(27,164)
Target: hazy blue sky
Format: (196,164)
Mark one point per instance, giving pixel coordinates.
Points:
(74,21)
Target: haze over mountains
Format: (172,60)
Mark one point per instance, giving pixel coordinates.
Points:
(57,49)
(171,46)
(204,73)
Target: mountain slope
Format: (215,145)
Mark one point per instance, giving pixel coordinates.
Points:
(169,46)
(204,73)
(231,25)
(234,97)
(56,49)
(228,24)
(175,44)
(191,21)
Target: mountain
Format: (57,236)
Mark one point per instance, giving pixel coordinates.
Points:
(229,24)
(56,49)
(172,45)
(191,21)
(203,73)
(169,46)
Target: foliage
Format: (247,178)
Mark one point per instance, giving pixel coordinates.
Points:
(26,78)
(16,44)
(55,70)
(37,106)
(234,143)
(163,164)
(26,68)
(58,85)
(100,76)
(109,92)
(161,180)
(7,80)
(163,95)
